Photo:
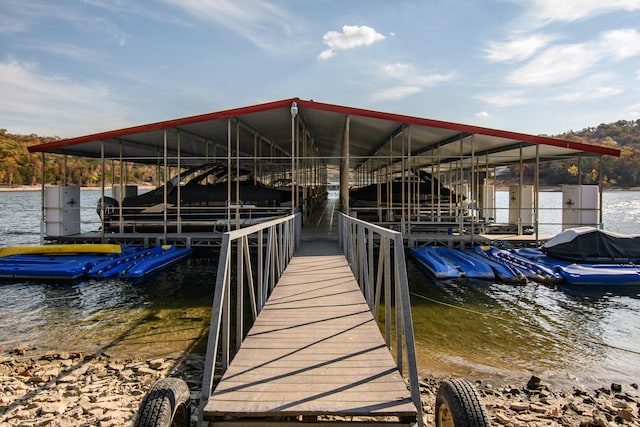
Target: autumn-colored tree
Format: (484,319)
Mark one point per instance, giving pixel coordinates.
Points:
(18,167)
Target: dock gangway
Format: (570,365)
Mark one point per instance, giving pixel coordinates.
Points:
(295,332)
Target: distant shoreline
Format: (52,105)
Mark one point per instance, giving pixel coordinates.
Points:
(144,187)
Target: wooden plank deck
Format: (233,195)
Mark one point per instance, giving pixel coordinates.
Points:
(314,350)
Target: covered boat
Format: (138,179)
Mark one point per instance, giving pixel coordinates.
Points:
(423,186)
(594,246)
(199,197)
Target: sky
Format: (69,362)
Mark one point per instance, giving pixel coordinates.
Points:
(76,67)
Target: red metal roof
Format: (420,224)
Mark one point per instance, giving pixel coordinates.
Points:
(369,131)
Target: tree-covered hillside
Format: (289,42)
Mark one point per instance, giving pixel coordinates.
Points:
(620,172)
(18,167)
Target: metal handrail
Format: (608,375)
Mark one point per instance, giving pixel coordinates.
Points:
(273,256)
(357,239)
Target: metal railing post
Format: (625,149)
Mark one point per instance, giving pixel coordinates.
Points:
(356,239)
(282,241)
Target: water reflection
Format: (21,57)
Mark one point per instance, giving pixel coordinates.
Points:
(160,316)
(567,336)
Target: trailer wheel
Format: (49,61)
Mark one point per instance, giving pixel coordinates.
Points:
(166,404)
(458,405)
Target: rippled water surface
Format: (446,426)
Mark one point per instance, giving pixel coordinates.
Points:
(487,331)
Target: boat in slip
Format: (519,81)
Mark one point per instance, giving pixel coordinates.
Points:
(447,263)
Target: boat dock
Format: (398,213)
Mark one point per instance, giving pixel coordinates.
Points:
(314,351)
(294,335)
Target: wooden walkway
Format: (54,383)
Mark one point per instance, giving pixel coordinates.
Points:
(314,351)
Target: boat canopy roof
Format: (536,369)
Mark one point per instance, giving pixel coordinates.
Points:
(592,245)
(370,135)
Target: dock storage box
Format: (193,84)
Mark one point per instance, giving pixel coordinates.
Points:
(488,202)
(62,210)
(580,205)
(521,205)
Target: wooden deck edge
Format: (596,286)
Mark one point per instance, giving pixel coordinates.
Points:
(364,422)
(409,412)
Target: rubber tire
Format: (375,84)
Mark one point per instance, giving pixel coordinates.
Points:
(166,404)
(106,207)
(458,405)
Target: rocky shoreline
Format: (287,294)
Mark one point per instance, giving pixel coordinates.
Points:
(75,389)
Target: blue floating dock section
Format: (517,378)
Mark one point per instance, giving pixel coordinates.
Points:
(158,258)
(129,263)
(503,272)
(604,274)
(531,269)
(518,266)
(446,263)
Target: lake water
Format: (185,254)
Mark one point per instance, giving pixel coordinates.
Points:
(492,332)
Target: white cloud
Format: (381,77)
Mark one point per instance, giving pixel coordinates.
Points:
(483,115)
(411,81)
(68,50)
(590,88)
(24,15)
(555,65)
(395,93)
(52,105)
(567,62)
(543,12)
(352,36)
(504,99)
(624,43)
(588,94)
(397,70)
(326,54)
(407,74)
(517,49)
(257,20)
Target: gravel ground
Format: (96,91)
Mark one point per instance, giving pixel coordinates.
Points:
(73,389)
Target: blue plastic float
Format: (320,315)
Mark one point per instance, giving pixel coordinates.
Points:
(129,263)
(446,263)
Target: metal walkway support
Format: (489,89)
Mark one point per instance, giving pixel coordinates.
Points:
(358,240)
(257,276)
(314,353)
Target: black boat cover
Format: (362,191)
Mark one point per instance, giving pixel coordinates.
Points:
(592,245)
